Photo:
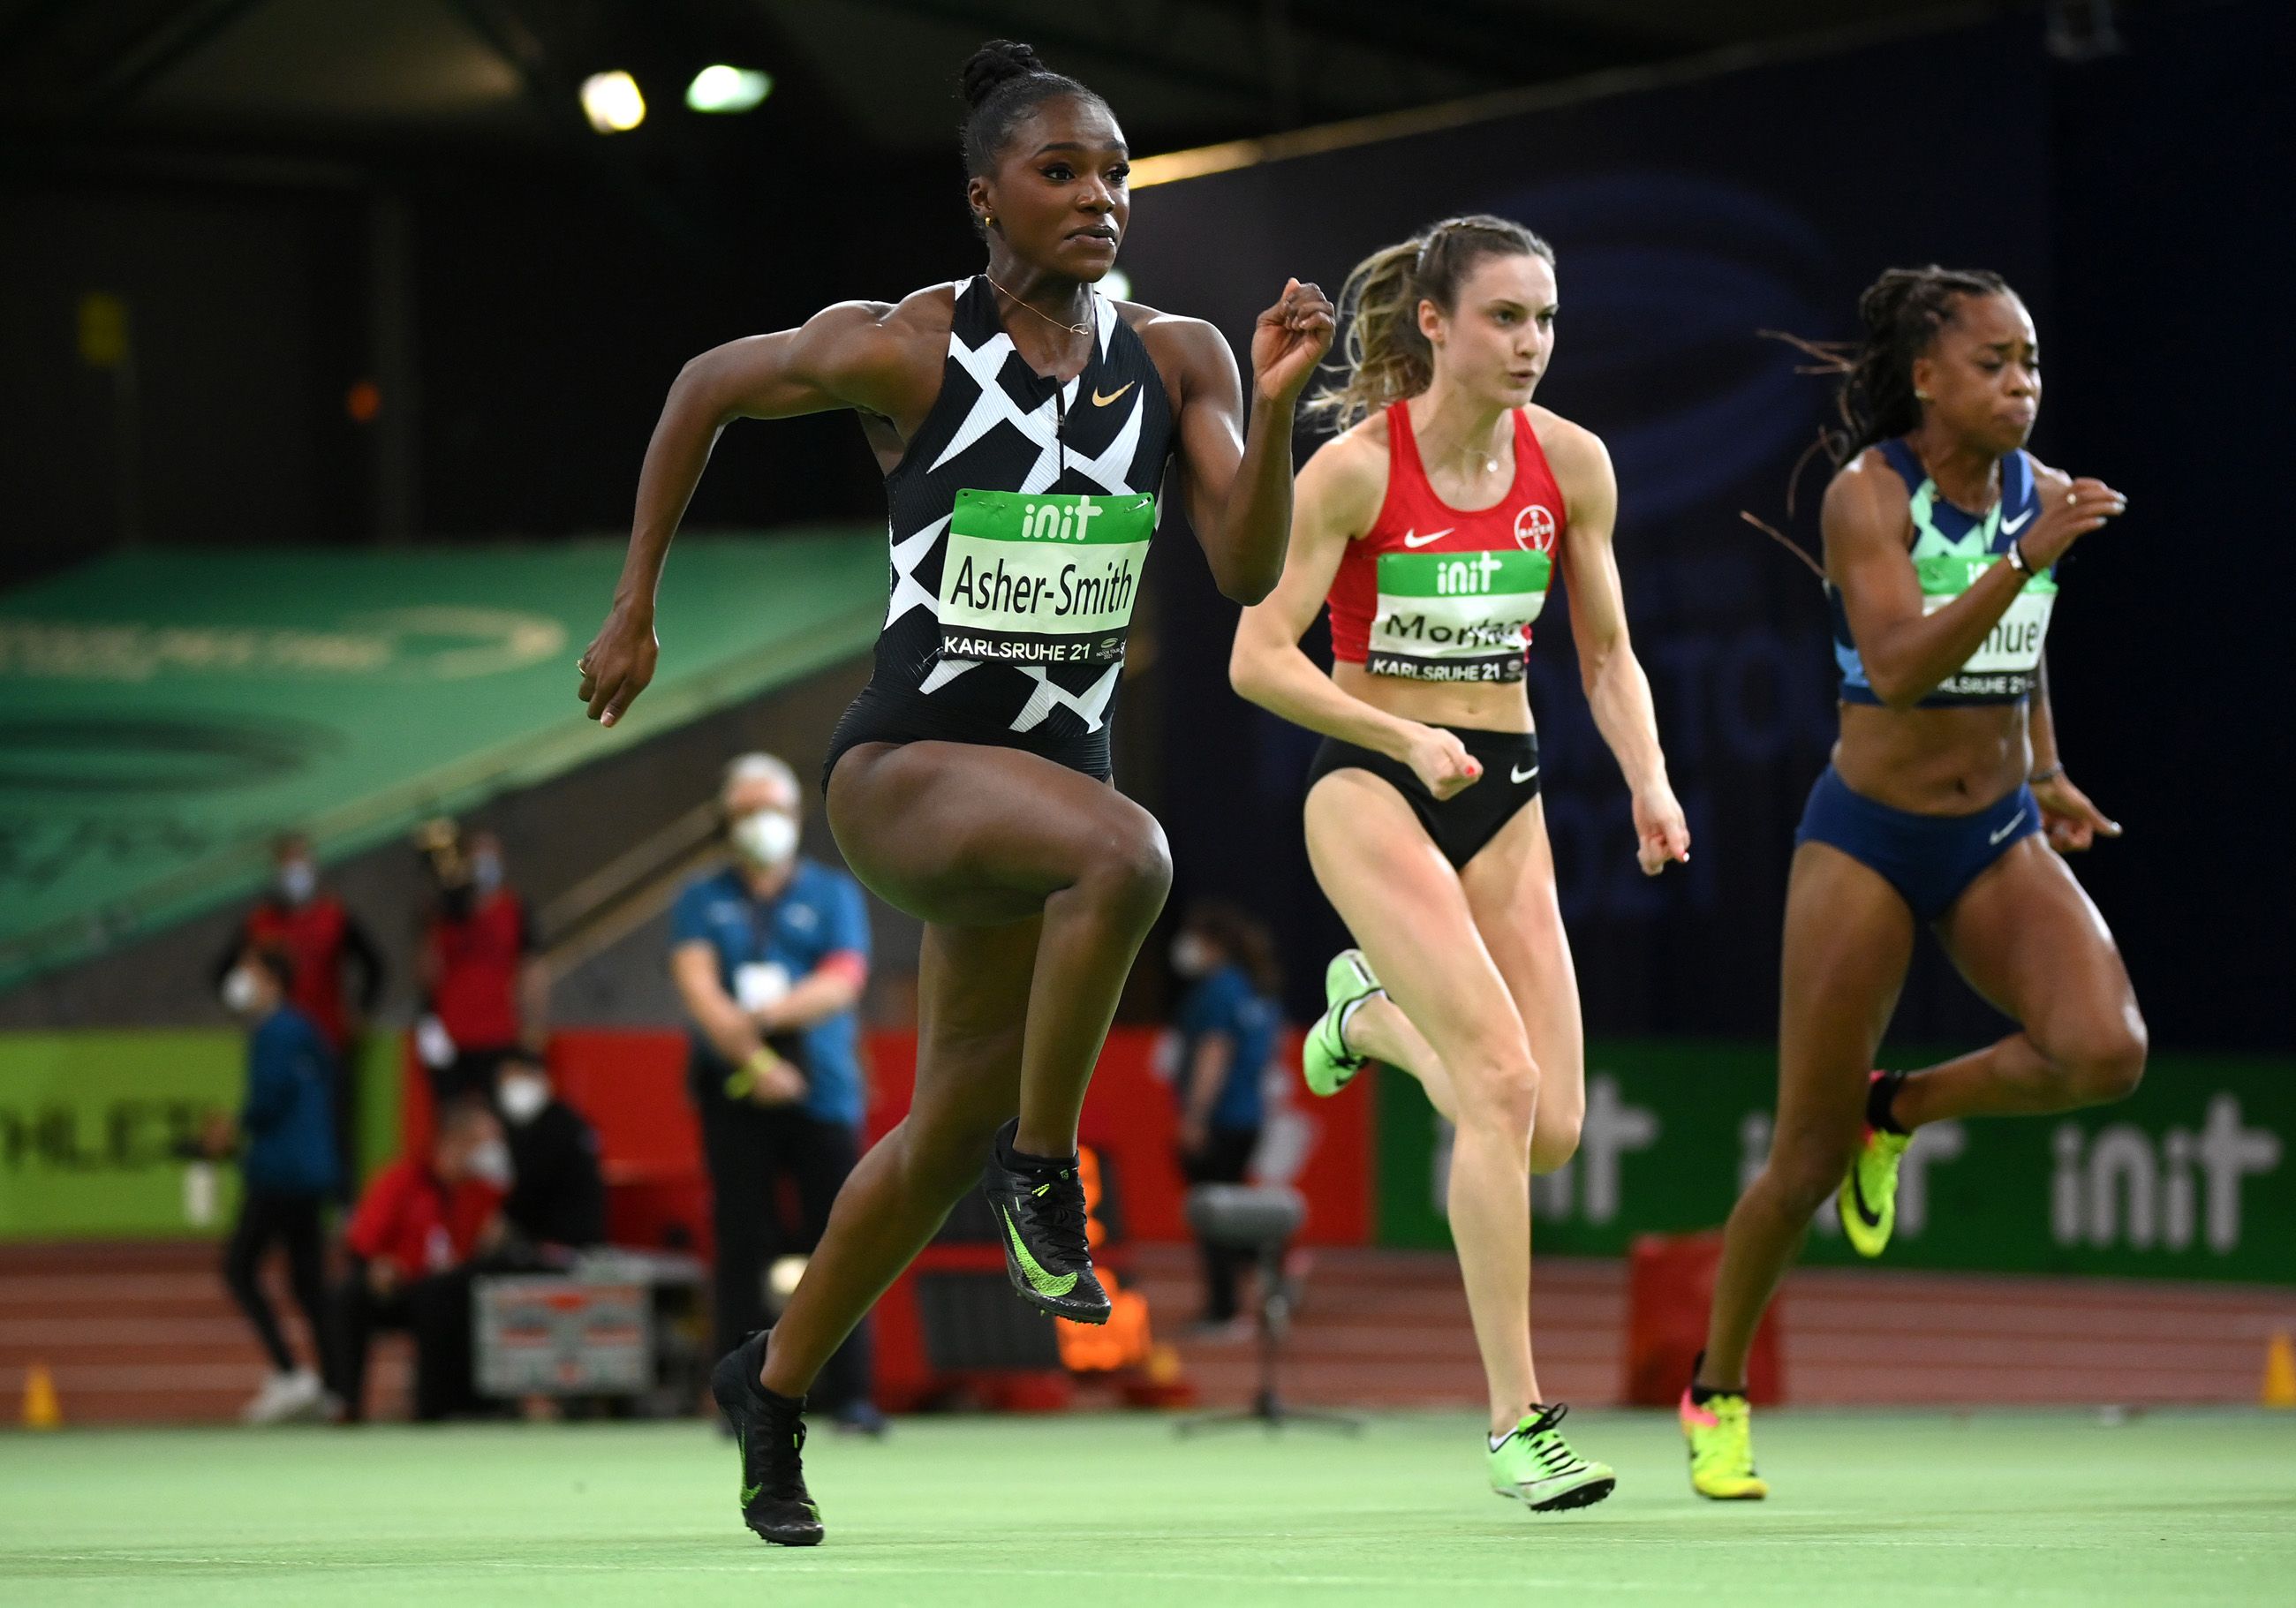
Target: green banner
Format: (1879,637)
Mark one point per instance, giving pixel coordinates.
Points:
(163,713)
(90,1123)
(2193,1176)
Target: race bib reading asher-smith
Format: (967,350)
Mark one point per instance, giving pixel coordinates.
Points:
(1043,578)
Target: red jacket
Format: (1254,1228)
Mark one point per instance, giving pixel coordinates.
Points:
(319,936)
(474,966)
(417,1224)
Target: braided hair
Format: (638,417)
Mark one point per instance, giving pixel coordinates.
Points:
(1901,312)
(1004,82)
(1385,356)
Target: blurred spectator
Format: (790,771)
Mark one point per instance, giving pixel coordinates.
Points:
(339,971)
(421,1221)
(770,954)
(558,1194)
(486,989)
(289,1168)
(1226,1028)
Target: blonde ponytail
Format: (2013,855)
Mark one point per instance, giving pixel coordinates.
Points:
(1385,356)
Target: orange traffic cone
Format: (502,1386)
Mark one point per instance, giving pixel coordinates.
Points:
(2280,1371)
(41,1410)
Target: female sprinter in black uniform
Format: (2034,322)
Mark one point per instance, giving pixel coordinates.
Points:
(1433,524)
(1025,424)
(1941,532)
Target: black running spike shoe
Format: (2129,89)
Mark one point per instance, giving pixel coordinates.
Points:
(1039,1211)
(770,1431)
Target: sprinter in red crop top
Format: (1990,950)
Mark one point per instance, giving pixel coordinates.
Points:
(1434,524)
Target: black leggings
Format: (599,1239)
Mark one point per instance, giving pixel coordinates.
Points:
(751,1151)
(291,1220)
(1224,1159)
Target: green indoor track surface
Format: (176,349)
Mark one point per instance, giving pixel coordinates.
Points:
(1110,1512)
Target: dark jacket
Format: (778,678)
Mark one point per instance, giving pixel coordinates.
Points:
(289,1118)
(558,1194)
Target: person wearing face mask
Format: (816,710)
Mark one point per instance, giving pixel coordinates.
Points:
(338,969)
(1226,1031)
(289,1168)
(415,1231)
(770,954)
(487,989)
(558,1194)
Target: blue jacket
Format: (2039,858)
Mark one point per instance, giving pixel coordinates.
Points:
(289,1115)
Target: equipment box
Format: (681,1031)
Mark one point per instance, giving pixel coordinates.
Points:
(559,1336)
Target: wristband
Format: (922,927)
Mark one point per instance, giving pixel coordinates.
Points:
(2016,556)
(2049,774)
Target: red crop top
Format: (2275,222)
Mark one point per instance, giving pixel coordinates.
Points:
(1433,593)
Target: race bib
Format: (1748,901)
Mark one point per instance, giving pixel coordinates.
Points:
(1456,615)
(1045,578)
(2003,665)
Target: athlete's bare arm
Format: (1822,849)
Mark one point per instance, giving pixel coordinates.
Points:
(1616,691)
(1337,497)
(1236,483)
(1907,653)
(883,360)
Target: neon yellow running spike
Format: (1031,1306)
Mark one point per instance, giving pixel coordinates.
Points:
(1325,1060)
(1721,1437)
(1534,1465)
(1867,1199)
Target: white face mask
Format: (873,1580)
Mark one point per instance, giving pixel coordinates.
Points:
(240,989)
(1191,955)
(522,1096)
(766,838)
(489,1163)
(298,881)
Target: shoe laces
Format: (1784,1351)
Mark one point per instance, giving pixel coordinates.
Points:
(779,1450)
(1545,1440)
(1057,1215)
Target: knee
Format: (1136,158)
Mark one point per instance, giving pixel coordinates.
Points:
(1130,871)
(1801,1174)
(1498,1092)
(1555,1140)
(2103,1064)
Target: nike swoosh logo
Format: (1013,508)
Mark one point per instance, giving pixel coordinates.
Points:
(1100,401)
(2012,527)
(1865,1214)
(1523,775)
(1412,538)
(1041,1282)
(2006,831)
(749,1492)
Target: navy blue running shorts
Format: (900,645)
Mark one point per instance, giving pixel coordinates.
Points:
(1929,859)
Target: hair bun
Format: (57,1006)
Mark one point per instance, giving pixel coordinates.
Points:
(998,62)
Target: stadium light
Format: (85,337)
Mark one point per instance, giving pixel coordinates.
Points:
(723,89)
(611,102)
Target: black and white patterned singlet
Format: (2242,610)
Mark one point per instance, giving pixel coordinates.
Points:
(1019,517)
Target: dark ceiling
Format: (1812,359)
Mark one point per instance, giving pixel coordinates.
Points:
(351,75)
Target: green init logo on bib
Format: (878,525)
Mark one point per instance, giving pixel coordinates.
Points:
(2004,662)
(1044,578)
(1456,615)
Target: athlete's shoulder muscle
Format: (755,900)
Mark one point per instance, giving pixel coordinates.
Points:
(1580,462)
(1190,355)
(1866,502)
(1343,484)
(877,355)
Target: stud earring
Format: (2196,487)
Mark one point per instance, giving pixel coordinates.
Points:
(1922,396)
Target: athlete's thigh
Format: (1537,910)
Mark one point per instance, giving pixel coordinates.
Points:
(970,835)
(1404,904)
(1848,938)
(972,1004)
(1510,887)
(2029,940)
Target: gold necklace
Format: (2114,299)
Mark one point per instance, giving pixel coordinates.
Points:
(1073,329)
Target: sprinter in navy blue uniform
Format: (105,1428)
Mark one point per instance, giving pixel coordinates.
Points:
(289,1166)
(1946,806)
(770,956)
